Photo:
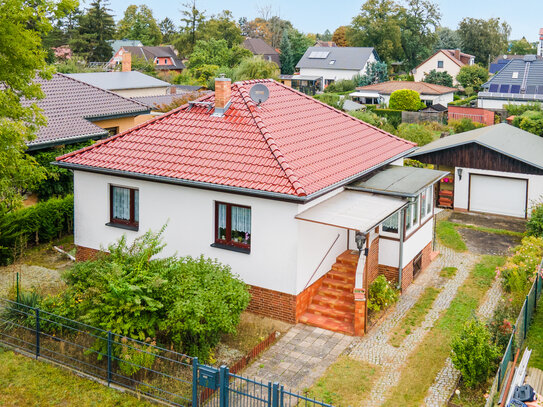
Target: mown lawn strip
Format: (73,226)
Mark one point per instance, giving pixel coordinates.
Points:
(448,235)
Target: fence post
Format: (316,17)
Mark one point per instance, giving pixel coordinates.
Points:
(275,394)
(526,305)
(17,288)
(37,333)
(109,339)
(195,382)
(224,382)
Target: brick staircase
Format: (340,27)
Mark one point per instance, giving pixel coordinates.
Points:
(332,307)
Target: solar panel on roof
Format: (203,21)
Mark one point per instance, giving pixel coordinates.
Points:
(319,54)
(515,89)
(504,88)
(531,90)
(494,87)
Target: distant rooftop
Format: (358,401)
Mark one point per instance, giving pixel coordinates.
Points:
(119,80)
(351,58)
(518,79)
(386,88)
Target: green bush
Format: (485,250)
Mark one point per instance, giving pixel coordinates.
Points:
(465,124)
(331,100)
(382,294)
(463,102)
(534,226)
(439,78)
(417,133)
(472,76)
(501,324)
(344,85)
(185,302)
(40,223)
(473,353)
(394,117)
(405,99)
(531,121)
(517,110)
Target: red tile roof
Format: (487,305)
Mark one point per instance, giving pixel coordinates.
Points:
(291,144)
(386,88)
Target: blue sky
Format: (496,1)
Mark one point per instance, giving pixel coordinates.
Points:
(524,16)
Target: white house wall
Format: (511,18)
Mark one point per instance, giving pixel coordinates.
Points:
(331,74)
(389,252)
(449,66)
(461,187)
(498,104)
(191,221)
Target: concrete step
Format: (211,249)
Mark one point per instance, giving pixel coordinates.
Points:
(338,315)
(327,323)
(348,287)
(330,302)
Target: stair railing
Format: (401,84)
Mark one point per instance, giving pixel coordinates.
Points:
(322,261)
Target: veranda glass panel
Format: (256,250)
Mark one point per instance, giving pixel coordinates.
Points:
(391,224)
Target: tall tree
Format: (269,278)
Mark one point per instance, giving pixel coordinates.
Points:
(486,39)
(286,58)
(191,19)
(23,24)
(379,25)
(222,26)
(420,21)
(325,36)
(522,47)
(167,28)
(138,23)
(439,78)
(96,27)
(299,44)
(217,52)
(340,36)
(447,39)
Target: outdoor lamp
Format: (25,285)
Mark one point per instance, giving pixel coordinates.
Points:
(360,240)
(459,171)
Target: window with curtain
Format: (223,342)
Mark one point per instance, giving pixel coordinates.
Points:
(233,225)
(391,224)
(124,206)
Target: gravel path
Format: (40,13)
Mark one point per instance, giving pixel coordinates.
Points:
(374,347)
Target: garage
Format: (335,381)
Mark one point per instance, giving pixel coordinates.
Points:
(498,195)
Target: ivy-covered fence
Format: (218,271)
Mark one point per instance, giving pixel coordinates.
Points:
(35,224)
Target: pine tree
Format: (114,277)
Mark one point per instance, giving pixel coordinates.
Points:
(286,58)
(96,27)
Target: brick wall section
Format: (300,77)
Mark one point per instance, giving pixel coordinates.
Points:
(305,297)
(372,261)
(273,304)
(391,273)
(360,317)
(407,275)
(85,253)
(475,114)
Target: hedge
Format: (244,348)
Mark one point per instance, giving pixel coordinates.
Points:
(393,117)
(463,102)
(40,223)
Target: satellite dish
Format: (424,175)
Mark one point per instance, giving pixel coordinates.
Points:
(259,93)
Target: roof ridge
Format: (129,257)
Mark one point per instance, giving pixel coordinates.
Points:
(270,141)
(124,133)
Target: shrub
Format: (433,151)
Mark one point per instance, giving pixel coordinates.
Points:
(473,353)
(472,76)
(394,117)
(344,85)
(416,133)
(39,223)
(331,100)
(185,302)
(501,324)
(465,124)
(517,110)
(531,121)
(369,117)
(439,78)
(463,102)
(381,294)
(404,99)
(534,226)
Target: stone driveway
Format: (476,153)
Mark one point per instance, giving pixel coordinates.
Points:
(299,358)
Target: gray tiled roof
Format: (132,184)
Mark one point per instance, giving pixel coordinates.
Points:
(513,74)
(503,138)
(352,58)
(119,80)
(69,104)
(150,53)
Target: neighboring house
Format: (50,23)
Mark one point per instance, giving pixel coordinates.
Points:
(298,198)
(496,169)
(350,106)
(78,112)
(520,81)
(156,103)
(320,43)
(379,93)
(127,84)
(309,85)
(540,44)
(163,58)
(260,47)
(444,60)
(501,61)
(335,63)
(117,44)
(475,114)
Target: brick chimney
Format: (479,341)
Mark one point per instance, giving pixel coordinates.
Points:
(457,54)
(223,92)
(127,62)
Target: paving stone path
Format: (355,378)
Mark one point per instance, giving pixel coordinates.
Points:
(446,379)
(299,358)
(374,347)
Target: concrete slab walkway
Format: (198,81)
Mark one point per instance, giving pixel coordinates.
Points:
(299,358)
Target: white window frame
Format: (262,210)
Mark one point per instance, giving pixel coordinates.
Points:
(413,209)
(389,233)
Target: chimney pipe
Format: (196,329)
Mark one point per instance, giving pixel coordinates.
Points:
(127,62)
(457,54)
(223,92)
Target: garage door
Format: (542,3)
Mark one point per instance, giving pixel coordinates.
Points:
(499,195)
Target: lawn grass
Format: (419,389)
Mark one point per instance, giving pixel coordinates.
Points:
(534,340)
(27,382)
(429,357)
(414,317)
(488,230)
(448,272)
(449,236)
(347,382)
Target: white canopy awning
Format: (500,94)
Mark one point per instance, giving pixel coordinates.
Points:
(354,210)
(365,94)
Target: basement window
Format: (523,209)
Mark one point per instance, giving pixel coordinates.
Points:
(232,226)
(124,207)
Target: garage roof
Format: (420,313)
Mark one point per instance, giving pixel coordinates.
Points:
(398,181)
(353,210)
(503,138)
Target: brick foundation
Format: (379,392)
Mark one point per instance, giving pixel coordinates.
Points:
(305,297)
(85,253)
(391,273)
(360,316)
(273,304)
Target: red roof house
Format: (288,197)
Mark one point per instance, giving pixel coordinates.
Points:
(277,187)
